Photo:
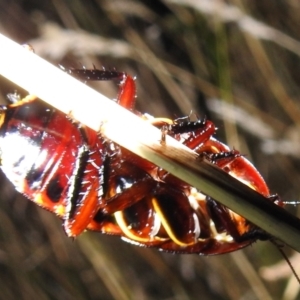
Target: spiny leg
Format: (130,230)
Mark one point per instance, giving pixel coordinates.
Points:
(199,131)
(127,91)
(86,184)
(221,159)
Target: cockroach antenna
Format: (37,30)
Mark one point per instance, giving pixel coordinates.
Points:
(279,247)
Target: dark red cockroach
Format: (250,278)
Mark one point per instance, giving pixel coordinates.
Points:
(92,183)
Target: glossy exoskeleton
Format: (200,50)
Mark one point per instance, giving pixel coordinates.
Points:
(92,183)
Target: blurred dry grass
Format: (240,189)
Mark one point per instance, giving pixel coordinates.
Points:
(236,62)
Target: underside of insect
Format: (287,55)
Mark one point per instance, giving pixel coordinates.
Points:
(92,183)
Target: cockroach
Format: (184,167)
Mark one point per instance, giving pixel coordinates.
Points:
(92,183)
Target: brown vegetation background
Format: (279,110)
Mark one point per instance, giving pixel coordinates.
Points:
(236,62)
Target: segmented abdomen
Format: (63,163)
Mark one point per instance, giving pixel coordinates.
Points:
(51,161)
